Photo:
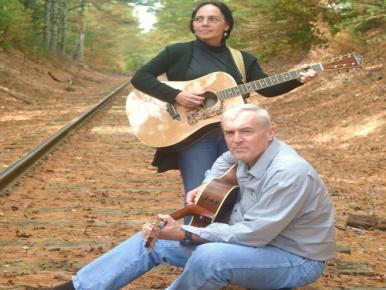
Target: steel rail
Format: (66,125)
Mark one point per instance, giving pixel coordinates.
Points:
(15,170)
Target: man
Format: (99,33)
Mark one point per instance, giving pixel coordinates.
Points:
(280,231)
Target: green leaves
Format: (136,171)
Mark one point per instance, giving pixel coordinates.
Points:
(267,28)
(15,23)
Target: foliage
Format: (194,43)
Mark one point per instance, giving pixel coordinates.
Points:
(111,34)
(173,22)
(171,26)
(266,28)
(112,38)
(277,27)
(356,16)
(109,30)
(15,23)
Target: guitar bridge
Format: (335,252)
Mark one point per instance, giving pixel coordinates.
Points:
(173,112)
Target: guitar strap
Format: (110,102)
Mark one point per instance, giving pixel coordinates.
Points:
(239,61)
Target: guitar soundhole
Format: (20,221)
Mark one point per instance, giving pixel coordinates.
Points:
(210,99)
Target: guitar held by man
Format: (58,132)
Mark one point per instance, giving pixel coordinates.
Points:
(213,204)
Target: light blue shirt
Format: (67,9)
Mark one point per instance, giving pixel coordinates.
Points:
(283,202)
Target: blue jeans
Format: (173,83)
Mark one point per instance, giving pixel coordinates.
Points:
(194,160)
(207,266)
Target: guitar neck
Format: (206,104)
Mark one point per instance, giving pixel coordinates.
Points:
(264,83)
(191,210)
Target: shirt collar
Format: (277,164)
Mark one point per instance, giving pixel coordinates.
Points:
(259,168)
(211,48)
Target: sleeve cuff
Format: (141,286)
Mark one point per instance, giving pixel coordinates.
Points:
(202,233)
(193,230)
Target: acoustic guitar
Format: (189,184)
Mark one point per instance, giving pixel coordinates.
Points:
(213,204)
(164,125)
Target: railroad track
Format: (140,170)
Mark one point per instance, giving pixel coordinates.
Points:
(88,194)
(15,170)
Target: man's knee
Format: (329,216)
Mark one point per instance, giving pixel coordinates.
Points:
(208,256)
(208,262)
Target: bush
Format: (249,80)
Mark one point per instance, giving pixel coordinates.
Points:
(356,16)
(15,24)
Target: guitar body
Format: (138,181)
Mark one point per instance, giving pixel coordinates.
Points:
(153,125)
(216,201)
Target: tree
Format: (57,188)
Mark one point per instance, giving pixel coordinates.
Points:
(63,26)
(46,29)
(15,23)
(81,27)
(278,27)
(112,35)
(105,33)
(54,24)
(173,21)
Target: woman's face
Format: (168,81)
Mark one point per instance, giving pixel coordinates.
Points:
(209,25)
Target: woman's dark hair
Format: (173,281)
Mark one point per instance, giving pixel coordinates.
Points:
(224,10)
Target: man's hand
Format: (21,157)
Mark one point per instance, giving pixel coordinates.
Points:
(192,195)
(308,74)
(171,230)
(147,229)
(190,100)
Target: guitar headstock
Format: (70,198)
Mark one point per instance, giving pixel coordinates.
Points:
(152,236)
(349,60)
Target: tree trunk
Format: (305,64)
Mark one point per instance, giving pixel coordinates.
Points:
(63,26)
(46,30)
(79,45)
(54,24)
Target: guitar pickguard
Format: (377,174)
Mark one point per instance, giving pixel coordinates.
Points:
(194,116)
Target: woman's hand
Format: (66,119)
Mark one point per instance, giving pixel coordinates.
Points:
(308,74)
(190,100)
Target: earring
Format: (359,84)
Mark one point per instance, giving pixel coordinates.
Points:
(225,34)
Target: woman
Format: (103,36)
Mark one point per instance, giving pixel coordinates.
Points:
(212,24)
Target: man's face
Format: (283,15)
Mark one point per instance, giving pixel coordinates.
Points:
(246,137)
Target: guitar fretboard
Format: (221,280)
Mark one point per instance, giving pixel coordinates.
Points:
(264,83)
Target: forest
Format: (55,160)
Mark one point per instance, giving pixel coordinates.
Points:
(108,34)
